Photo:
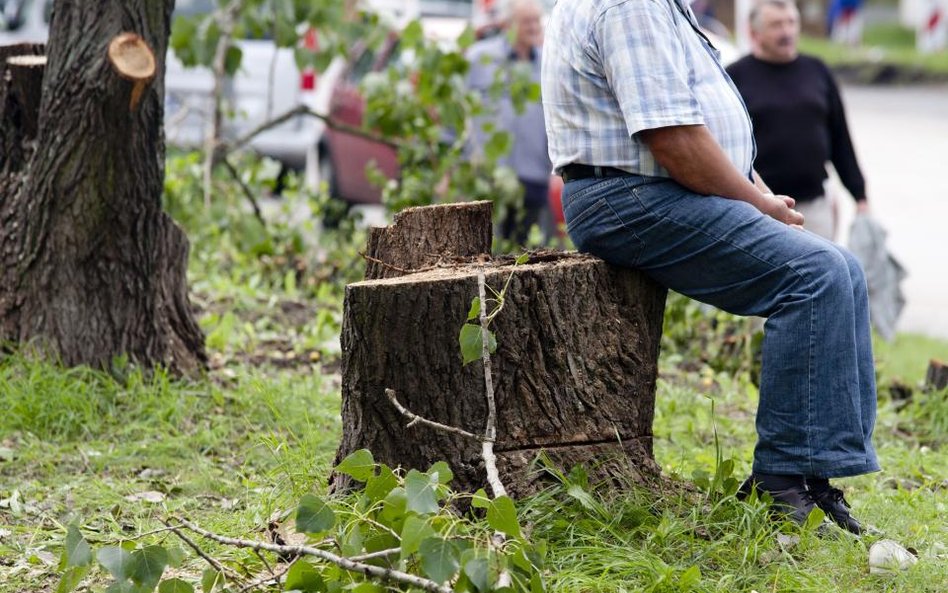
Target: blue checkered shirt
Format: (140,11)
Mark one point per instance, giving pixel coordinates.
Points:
(612,68)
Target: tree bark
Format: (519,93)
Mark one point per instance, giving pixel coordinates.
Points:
(421,237)
(937,376)
(91,266)
(574,371)
(21,81)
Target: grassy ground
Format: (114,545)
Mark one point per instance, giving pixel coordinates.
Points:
(887,53)
(117,451)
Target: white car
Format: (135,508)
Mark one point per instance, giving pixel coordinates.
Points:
(267,85)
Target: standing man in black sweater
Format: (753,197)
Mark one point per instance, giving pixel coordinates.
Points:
(798,117)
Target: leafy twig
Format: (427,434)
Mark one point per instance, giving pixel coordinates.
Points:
(340,561)
(490,431)
(214,562)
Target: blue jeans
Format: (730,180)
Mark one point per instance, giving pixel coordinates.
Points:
(817,388)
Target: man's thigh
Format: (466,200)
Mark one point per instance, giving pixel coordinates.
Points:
(720,251)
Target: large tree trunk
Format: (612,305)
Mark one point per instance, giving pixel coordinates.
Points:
(574,371)
(92,267)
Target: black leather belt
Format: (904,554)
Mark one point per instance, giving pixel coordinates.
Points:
(578,171)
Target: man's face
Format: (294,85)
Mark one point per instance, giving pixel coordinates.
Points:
(528,25)
(775,33)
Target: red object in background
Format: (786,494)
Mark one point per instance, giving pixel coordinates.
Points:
(555,201)
(349,154)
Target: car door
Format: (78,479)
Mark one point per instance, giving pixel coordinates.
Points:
(351,153)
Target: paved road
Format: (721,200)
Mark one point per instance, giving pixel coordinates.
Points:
(901,138)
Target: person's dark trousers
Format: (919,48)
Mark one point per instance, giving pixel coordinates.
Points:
(516,225)
(817,403)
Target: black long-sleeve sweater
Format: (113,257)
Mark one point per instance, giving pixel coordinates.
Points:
(799,125)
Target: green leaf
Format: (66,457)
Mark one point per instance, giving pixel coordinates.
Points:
(232,59)
(71,578)
(689,578)
(475,311)
(77,551)
(477,571)
(368,587)
(498,145)
(358,464)
(420,491)
(443,472)
(175,586)
(480,500)
(304,577)
(412,34)
(414,531)
(378,487)
(352,541)
(502,516)
(393,507)
(147,565)
(439,559)
(314,515)
(814,519)
(522,259)
(115,560)
(467,38)
(211,580)
(472,344)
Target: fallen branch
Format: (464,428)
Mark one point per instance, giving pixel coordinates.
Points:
(273,577)
(340,561)
(214,562)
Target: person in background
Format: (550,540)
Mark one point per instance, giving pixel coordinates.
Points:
(798,117)
(517,47)
(656,151)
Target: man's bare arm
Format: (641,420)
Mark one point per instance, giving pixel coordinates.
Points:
(694,159)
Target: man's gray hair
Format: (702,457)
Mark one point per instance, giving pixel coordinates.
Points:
(755,9)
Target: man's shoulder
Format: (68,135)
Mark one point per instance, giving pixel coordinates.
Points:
(741,66)
(814,63)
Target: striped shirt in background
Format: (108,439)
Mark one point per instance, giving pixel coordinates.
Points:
(612,68)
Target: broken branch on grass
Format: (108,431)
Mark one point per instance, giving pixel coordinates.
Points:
(214,562)
(340,561)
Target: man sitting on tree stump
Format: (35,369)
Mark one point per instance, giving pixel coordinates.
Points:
(656,149)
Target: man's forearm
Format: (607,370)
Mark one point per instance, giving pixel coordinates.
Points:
(694,159)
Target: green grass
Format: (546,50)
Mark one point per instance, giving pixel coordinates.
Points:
(883,44)
(116,451)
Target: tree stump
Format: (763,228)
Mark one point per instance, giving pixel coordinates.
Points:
(91,268)
(574,370)
(937,376)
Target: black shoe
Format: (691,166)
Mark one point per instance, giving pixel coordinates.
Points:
(795,501)
(836,508)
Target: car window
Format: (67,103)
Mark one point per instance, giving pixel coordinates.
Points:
(362,65)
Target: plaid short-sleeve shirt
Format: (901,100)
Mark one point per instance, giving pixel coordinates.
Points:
(612,68)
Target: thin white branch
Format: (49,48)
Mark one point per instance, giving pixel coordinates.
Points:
(379,554)
(490,431)
(340,561)
(415,418)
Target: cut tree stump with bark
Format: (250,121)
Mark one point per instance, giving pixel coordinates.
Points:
(574,371)
(91,268)
(937,376)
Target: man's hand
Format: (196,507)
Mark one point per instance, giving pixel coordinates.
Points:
(780,208)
